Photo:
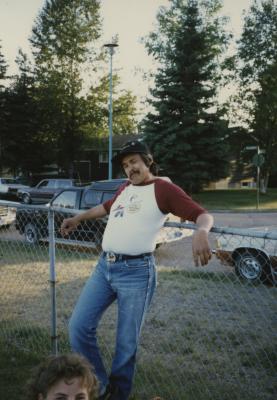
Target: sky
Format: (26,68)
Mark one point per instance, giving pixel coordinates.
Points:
(129,19)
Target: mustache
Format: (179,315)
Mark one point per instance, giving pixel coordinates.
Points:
(134,171)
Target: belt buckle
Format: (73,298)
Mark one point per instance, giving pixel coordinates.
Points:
(110,257)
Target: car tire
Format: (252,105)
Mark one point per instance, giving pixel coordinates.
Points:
(31,234)
(251,267)
(26,198)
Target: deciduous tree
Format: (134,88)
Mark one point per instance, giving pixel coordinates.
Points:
(62,40)
(257,72)
(124,109)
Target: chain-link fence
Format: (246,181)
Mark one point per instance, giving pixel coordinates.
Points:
(210,332)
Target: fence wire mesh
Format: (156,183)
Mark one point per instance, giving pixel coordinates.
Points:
(210,332)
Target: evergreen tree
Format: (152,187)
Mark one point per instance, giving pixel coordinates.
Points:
(23,123)
(186,130)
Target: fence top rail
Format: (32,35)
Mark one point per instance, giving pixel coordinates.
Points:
(250,232)
(15,204)
(266,234)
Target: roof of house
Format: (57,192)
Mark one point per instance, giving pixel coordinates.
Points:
(117,141)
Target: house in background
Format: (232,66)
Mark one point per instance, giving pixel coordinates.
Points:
(94,162)
(241,177)
(94,165)
(230,183)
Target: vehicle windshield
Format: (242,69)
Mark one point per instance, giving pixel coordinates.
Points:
(8,180)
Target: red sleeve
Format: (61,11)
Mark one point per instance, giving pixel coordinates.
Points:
(107,205)
(172,199)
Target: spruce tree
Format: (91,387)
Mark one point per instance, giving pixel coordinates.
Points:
(27,147)
(186,130)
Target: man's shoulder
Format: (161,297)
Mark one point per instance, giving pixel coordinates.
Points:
(164,182)
(165,179)
(123,187)
(165,186)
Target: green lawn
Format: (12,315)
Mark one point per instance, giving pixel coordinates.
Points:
(237,200)
(206,336)
(200,341)
(15,366)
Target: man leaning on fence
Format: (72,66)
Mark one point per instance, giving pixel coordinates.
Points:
(126,268)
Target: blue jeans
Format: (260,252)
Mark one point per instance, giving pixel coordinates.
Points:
(132,284)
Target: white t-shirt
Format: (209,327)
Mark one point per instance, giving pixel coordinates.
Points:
(137,212)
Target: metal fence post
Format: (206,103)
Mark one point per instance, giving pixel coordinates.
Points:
(52,273)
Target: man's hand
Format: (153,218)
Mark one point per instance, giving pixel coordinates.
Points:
(200,248)
(69,225)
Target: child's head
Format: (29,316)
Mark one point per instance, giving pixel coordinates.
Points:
(67,377)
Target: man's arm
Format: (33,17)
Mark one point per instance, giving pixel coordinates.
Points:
(172,199)
(70,224)
(200,244)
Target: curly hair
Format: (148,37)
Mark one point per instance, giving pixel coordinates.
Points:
(150,163)
(64,367)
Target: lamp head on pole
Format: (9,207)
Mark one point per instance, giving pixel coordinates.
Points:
(111,47)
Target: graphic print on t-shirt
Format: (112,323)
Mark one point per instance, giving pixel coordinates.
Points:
(118,211)
(134,204)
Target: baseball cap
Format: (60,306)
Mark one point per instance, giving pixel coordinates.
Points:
(131,147)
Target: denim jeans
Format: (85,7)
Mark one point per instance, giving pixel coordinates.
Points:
(132,283)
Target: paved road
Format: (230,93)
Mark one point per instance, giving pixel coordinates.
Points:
(245,220)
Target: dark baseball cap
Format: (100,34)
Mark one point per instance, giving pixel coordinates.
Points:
(131,147)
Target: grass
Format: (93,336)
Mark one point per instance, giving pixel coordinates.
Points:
(15,366)
(207,336)
(237,200)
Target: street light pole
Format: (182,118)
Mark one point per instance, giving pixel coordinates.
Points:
(111,47)
(258,177)
(257,161)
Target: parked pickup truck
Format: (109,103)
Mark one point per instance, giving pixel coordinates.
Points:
(45,190)
(33,223)
(254,258)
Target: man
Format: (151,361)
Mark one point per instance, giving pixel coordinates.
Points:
(126,269)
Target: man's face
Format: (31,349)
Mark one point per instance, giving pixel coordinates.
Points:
(135,169)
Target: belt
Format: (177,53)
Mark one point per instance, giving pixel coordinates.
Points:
(113,257)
